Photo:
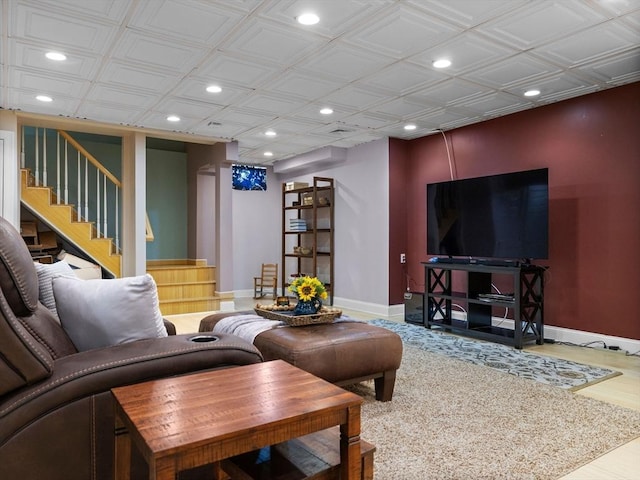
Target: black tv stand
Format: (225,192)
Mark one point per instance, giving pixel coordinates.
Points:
(526,301)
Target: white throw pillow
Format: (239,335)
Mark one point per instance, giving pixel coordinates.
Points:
(46,273)
(103,312)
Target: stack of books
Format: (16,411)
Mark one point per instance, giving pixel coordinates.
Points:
(297,225)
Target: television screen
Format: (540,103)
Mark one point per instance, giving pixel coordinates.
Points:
(246,177)
(500,216)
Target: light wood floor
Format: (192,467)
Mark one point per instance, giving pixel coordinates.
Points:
(622,463)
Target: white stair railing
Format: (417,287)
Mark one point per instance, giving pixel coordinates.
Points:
(96,193)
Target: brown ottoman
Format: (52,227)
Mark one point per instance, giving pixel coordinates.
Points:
(342,353)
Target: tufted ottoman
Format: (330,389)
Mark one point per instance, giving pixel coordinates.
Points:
(342,353)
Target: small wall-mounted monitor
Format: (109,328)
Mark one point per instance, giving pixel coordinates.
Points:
(247,177)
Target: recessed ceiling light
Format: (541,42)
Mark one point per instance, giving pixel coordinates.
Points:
(57,56)
(532,93)
(442,63)
(270,133)
(410,126)
(308,19)
(268,154)
(326,111)
(214,89)
(173,118)
(44,98)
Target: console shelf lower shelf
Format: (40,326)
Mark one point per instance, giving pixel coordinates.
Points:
(490,333)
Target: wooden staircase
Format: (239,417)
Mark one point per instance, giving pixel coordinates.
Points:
(185,286)
(63,219)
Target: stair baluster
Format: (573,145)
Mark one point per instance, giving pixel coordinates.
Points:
(86,188)
(58,167)
(66,172)
(37,169)
(44,158)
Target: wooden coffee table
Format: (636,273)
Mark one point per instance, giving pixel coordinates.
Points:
(185,422)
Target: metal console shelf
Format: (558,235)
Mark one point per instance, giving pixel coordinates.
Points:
(526,303)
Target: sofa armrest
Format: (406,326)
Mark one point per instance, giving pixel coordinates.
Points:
(96,371)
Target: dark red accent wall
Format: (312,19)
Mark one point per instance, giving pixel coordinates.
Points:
(591,145)
(398,172)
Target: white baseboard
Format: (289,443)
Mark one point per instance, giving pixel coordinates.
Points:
(248,294)
(243,294)
(369,308)
(579,337)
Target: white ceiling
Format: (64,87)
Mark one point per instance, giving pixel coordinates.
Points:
(134,62)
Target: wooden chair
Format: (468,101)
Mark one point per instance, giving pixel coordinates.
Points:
(267,282)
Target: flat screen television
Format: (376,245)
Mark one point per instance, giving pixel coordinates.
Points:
(247,177)
(495,217)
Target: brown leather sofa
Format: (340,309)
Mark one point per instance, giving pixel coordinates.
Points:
(56,408)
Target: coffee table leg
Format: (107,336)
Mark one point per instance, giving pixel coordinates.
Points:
(122,467)
(164,469)
(219,473)
(350,464)
(367,467)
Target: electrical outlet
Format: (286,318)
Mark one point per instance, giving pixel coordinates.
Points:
(403,258)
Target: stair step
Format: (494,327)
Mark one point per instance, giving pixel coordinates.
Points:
(188,290)
(182,274)
(174,307)
(177,263)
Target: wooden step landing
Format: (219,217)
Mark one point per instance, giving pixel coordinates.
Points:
(184,285)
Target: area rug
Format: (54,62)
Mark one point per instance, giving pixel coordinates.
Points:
(551,371)
(451,419)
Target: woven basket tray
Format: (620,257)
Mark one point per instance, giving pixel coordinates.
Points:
(325,315)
